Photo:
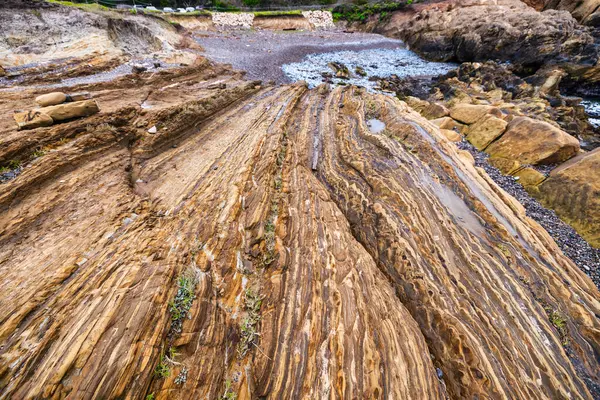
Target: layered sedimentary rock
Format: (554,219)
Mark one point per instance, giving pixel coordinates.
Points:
(263,242)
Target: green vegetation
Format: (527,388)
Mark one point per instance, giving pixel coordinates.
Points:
(229,394)
(12,165)
(361,12)
(38,153)
(162,370)
(83,6)
(276,13)
(219,5)
(251,3)
(560,323)
(180,306)
(150,396)
(248,332)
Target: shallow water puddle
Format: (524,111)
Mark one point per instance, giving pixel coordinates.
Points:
(375,125)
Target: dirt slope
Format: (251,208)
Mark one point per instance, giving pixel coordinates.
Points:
(265,243)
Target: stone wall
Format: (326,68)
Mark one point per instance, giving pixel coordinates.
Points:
(319,19)
(314,20)
(237,20)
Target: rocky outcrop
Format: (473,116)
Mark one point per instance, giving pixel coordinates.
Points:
(263,242)
(508,30)
(573,191)
(585,11)
(534,142)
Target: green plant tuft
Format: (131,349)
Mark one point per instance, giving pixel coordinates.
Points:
(162,370)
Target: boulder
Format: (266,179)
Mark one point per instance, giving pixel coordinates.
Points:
(32,119)
(51,99)
(416,104)
(434,111)
(449,123)
(451,135)
(485,131)
(529,177)
(80,96)
(2,72)
(360,71)
(505,165)
(530,141)
(67,111)
(341,71)
(471,113)
(573,191)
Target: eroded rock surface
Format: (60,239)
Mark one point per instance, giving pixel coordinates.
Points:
(317,258)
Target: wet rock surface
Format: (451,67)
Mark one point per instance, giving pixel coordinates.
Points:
(570,242)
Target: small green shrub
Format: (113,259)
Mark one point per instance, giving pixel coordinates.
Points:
(162,370)
(181,304)
(248,328)
(229,394)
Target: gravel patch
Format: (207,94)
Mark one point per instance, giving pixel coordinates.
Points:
(383,63)
(586,257)
(262,53)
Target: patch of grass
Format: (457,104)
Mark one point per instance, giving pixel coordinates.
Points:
(229,394)
(82,6)
(181,304)
(248,332)
(162,370)
(371,110)
(150,396)
(11,166)
(38,153)
(276,13)
(560,323)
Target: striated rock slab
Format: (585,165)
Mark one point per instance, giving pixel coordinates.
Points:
(315,259)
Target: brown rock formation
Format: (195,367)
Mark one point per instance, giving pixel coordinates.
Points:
(485,131)
(573,190)
(508,30)
(264,242)
(534,142)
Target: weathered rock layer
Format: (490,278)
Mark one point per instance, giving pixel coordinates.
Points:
(264,241)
